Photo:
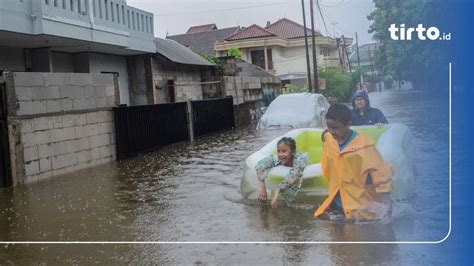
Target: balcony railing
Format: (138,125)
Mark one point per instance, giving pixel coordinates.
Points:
(105,16)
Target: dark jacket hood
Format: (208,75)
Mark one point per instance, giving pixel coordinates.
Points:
(363,94)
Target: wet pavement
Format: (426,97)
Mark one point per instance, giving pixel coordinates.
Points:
(189,192)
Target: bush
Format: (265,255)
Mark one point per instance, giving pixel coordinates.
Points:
(294,89)
(338,83)
(219,63)
(234,52)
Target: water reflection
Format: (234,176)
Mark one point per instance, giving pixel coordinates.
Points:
(189,192)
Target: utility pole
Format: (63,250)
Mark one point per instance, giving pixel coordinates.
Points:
(358,60)
(313,39)
(373,70)
(308,66)
(341,62)
(347,54)
(333,29)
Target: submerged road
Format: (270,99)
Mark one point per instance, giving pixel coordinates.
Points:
(189,192)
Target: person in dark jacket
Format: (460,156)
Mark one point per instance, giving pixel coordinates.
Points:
(363,113)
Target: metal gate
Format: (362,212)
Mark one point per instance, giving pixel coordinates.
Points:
(148,127)
(5,171)
(213,115)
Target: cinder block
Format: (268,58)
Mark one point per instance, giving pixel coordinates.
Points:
(71,91)
(100,140)
(60,171)
(105,151)
(45,164)
(100,90)
(254,85)
(62,134)
(43,123)
(53,92)
(95,152)
(83,103)
(103,79)
(39,93)
(111,101)
(58,148)
(28,79)
(32,168)
(23,93)
(106,127)
(57,79)
(96,117)
(30,153)
(27,126)
(89,91)
(110,90)
(86,131)
(65,160)
(44,151)
(35,138)
(58,121)
(30,108)
(65,104)
(84,156)
(77,145)
(53,106)
(81,79)
(101,102)
(78,120)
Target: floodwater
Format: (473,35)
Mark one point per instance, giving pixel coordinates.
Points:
(189,192)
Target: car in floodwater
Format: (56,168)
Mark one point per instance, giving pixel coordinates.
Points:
(295,110)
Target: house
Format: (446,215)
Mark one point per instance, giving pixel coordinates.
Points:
(202,38)
(279,48)
(366,57)
(180,74)
(81,36)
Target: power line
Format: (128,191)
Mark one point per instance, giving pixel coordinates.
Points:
(322,17)
(219,10)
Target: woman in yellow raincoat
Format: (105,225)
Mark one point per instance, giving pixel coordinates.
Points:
(360,180)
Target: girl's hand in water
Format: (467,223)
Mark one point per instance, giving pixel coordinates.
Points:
(263,192)
(263,196)
(274,203)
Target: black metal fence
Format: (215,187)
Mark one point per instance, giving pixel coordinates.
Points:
(143,128)
(5,172)
(213,115)
(148,127)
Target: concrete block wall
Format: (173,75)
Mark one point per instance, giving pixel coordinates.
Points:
(43,93)
(248,89)
(60,123)
(55,145)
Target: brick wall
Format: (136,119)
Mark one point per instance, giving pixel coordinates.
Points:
(59,123)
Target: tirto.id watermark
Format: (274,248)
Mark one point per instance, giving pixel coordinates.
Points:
(432,33)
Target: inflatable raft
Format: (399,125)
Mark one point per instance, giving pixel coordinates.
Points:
(394,141)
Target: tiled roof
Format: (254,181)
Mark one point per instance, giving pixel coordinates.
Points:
(288,29)
(202,28)
(203,42)
(253,31)
(178,53)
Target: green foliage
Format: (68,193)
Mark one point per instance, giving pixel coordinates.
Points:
(219,63)
(414,60)
(294,89)
(338,83)
(234,52)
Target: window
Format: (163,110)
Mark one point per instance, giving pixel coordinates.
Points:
(258,58)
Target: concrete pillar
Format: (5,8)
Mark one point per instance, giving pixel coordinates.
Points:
(41,60)
(190,121)
(266,57)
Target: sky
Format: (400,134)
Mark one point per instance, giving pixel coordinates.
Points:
(174,17)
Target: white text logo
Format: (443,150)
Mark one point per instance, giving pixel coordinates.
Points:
(432,33)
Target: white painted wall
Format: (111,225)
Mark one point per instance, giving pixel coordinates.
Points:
(112,63)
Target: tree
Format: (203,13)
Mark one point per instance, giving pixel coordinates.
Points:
(338,83)
(417,61)
(234,52)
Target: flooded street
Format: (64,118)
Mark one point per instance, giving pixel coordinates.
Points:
(189,192)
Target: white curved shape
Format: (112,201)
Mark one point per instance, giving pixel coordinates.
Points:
(395,145)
